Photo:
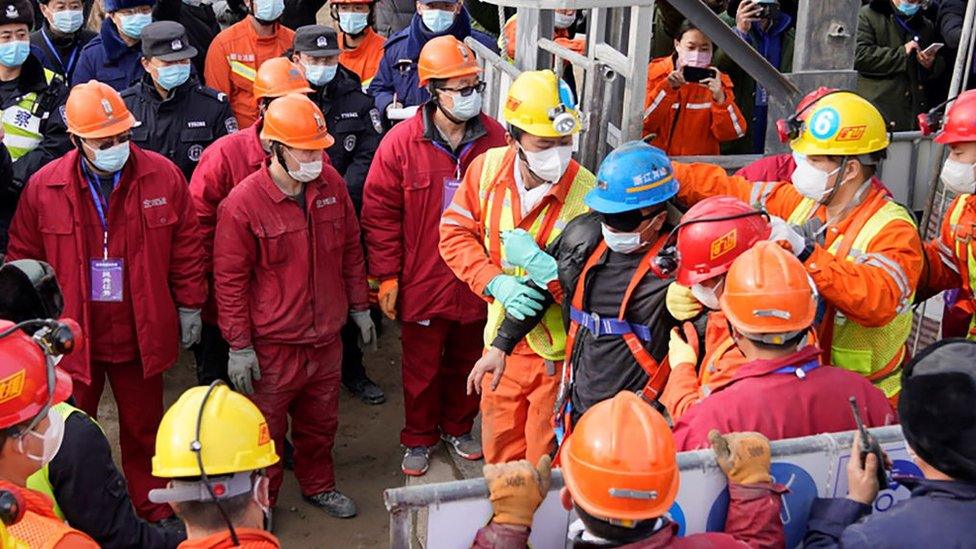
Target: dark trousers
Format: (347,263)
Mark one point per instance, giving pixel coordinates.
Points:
(211,355)
(352,357)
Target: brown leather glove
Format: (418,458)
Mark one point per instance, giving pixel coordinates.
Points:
(743,457)
(517,489)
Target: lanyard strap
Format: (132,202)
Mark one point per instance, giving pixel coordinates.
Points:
(457,158)
(100,205)
(800,371)
(72,59)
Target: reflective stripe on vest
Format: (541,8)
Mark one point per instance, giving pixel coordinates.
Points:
(40,481)
(964,259)
(243,70)
(22,124)
(863,350)
(548,338)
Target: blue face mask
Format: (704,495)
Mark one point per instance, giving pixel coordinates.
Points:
(437,21)
(13,54)
(268,10)
(353,23)
(67,21)
(172,76)
(132,25)
(909,9)
(111,159)
(320,75)
(466,108)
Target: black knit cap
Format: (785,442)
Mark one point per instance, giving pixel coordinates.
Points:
(16,11)
(937,407)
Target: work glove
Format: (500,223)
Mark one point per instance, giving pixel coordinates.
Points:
(517,489)
(191,326)
(683,347)
(389,289)
(519,300)
(242,367)
(522,250)
(681,303)
(743,457)
(367,330)
(785,232)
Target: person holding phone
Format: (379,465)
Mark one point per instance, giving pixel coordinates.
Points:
(690,108)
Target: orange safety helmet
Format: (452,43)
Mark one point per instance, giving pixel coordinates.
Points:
(296,121)
(24,376)
(712,234)
(95,110)
(446,57)
(277,77)
(767,292)
(620,461)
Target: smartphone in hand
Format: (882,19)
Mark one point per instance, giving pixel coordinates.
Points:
(696,74)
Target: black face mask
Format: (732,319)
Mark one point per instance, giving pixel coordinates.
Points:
(627,222)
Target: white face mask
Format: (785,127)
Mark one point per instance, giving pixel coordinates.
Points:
(307,171)
(563,21)
(707,295)
(550,164)
(625,243)
(959,177)
(50,439)
(810,181)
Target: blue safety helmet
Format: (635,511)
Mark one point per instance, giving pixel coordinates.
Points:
(633,176)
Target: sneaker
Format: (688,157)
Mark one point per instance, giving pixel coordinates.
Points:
(365,390)
(415,461)
(334,503)
(465,446)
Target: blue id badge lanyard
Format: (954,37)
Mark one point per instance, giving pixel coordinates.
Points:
(106,272)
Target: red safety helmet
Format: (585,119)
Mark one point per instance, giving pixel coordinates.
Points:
(24,377)
(713,233)
(960,120)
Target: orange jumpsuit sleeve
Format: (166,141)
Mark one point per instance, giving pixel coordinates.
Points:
(697,182)
(727,120)
(871,290)
(681,391)
(76,540)
(216,70)
(657,104)
(461,245)
(942,264)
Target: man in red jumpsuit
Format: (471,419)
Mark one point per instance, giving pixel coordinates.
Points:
(414,174)
(289,271)
(116,223)
(782,390)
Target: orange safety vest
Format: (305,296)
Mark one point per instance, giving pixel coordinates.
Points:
(962,236)
(41,529)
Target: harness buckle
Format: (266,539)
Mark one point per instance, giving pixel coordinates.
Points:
(596,324)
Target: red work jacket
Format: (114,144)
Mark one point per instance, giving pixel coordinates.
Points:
(402,205)
(792,406)
(283,275)
(163,266)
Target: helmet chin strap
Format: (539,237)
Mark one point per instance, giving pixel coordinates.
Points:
(853,202)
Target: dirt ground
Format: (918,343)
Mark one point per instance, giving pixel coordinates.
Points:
(367,456)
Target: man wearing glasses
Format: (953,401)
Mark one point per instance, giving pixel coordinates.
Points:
(117,225)
(417,169)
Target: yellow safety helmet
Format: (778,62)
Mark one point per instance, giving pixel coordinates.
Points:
(234,436)
(841,124)
(541,104)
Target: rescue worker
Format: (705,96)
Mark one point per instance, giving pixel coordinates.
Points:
(179,117)
(613,299)
(57,44)
(770,305)
(563,33)
(686,115)
(709,237)
(213,446)
(289,271)
(621,476)
(30,99)
(950,261)
(396,82)
(113,56)
(32,433)
(356,127)
(85,486)
(362,46)
(936,415)
(116,223)
(239,50)
(222,165)
(533,184)
(414,176)
(860,248)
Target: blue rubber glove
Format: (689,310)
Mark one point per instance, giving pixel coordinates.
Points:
(519,300)
(522,250)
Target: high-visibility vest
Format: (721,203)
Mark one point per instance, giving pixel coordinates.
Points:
(40,532)
(548,338)
(22,122)
(40,481)
(875,353)
(962,235)
(8,541)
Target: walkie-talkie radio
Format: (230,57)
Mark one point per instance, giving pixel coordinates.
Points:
(869,445)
